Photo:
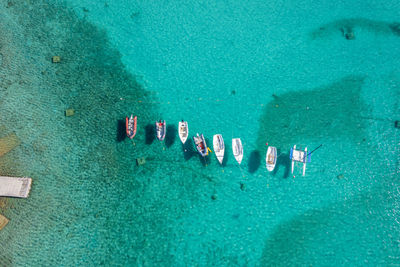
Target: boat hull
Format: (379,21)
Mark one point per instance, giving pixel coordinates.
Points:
(183,131)
(161,130)
(270,158)
(201,145)
(219,147)
(131,126)
(237,149)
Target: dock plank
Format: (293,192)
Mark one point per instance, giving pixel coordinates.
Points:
(15,186)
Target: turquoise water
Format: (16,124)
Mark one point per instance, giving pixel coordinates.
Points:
(277,72)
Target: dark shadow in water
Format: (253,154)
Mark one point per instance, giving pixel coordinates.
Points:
(307,238)
(188,149)
(278,161)
(207,159)
(254,161)
(170,135)
(395,27)
(226,155)
(121,133)
(330,111)
(344,26)
(284,161)
(150,133)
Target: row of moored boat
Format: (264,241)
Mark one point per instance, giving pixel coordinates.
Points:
(200,141)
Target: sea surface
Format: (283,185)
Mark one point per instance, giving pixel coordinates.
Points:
(285,73)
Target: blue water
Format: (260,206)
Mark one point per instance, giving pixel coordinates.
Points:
(277,72)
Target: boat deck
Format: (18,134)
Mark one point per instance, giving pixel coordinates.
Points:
(15,186)
(298,155)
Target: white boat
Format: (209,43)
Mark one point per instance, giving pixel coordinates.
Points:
(161,129)
(219,147)
(270,158)
(183,130)
(237,149)
(201,145)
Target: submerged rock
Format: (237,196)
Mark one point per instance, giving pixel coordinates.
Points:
(135,14)
(242,186)
(140,161)
(348,33)
(69,112)
(56,59)
(214,197)
(397,124)
(350,36)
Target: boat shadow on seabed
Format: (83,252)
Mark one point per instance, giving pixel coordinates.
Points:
(150,133)
(254,161)
(170,135)
(190,151)
(121,131)
(283,160)
(206,160)
(226,155)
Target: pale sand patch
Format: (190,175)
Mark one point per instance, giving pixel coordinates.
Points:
(8,143)
(3,203)
(3,221)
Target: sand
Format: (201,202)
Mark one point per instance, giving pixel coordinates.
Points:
(8,143)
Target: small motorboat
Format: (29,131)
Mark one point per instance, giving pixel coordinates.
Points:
(183,131)
(237,149)
(161,129)
(219,147)
(131,125)
(201,145)
(270,158)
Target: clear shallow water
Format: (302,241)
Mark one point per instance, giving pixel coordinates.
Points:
(217,66)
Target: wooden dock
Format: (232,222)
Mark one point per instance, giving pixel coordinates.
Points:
(15,186)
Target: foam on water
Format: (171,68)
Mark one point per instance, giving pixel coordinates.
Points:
(265,72)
